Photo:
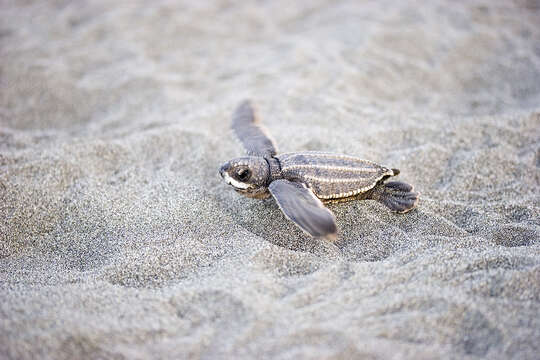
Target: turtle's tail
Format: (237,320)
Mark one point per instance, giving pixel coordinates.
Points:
(396,195)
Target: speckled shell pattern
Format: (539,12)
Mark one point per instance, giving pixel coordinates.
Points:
(332,176)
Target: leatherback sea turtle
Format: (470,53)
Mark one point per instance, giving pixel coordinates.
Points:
(301,182)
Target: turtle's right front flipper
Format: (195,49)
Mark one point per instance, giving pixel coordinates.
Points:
(251,133)
(302,207)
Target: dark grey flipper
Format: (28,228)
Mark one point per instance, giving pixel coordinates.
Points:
(396,195)
(302,207)
(249,131)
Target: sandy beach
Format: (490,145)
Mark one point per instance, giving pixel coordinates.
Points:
(119,240)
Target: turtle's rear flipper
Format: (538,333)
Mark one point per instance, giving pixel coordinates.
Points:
(396,195)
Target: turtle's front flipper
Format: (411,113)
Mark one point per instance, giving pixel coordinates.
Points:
(301,206)
(251,133)
(396,195)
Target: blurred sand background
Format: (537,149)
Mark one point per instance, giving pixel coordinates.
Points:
(119,240)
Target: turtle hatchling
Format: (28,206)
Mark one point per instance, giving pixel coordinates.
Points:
(301,182)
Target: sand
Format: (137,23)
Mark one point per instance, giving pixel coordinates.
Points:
(118,239)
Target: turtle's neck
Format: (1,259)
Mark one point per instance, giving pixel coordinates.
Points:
(275,169)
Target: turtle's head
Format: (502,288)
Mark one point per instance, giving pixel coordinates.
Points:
(248,175)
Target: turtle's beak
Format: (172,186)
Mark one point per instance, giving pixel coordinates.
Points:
(223,169)
(224,172)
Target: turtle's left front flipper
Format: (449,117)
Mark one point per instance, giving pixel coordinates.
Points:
(251,133)
(301,206)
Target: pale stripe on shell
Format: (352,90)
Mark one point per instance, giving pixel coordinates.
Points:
(330,180)
(329,167)
(352,192)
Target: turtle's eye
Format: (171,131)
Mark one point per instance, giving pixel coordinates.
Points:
(243,174)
